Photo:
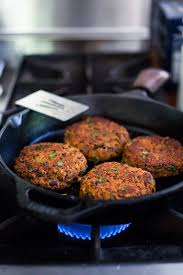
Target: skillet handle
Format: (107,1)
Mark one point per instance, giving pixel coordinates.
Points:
(64,211)
(151,79)
(173,212)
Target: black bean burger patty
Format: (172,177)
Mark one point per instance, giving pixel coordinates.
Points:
(113,180)
(50,165)
(99,139)
(162,156)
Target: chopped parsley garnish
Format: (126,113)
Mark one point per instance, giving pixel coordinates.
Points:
(52,155)
(43,163)
(39,147)
(102,180)
(125,161)
(124,189)
(114,168)
(60,163)
(116,174)
(172,168)
(95,159)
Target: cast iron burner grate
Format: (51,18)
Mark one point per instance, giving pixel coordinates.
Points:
(84,231)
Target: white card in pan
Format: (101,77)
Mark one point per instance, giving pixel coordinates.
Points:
(52,105)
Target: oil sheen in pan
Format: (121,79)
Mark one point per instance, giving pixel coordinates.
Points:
(57,136)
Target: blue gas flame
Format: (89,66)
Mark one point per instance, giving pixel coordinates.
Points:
(83,231)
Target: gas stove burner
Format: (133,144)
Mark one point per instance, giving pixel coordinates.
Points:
(83,231)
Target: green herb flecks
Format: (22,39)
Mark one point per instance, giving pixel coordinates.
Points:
(52,155)
(39,147)
(124,189)
(102,180)
(29,166)
(43,163)
(116,174)
(115,168)
(60,163)
(99,175)
(95,159)
(125,161)
(171,168)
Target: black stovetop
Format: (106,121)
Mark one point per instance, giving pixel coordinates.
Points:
(78,74)
(26,240)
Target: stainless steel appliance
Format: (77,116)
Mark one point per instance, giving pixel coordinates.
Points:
(101,25)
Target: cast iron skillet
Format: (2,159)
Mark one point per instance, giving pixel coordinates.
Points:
(136,110)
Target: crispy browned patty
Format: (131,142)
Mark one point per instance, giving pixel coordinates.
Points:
(50,165)
(113,180)
(162,156)
(99,139)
